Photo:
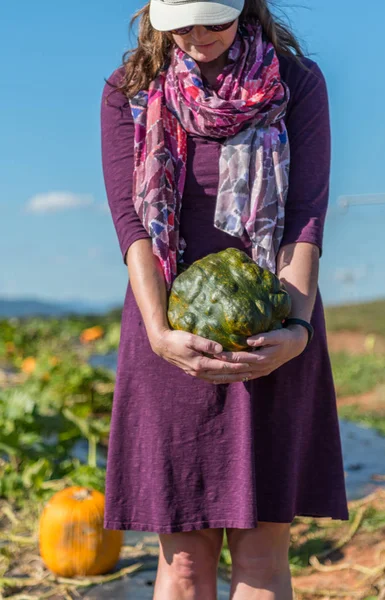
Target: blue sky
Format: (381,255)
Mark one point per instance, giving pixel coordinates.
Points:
(55,59)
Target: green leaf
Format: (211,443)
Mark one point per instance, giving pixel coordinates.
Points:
(36,472)
(82,424)
(88,476)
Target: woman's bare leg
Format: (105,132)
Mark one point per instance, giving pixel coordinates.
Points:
(260,565)
(188,563)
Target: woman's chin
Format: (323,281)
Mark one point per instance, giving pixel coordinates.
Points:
(205,56)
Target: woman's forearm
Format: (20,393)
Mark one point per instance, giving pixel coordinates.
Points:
(149,287)
(298,269)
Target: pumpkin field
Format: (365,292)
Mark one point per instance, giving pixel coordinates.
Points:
(55,409)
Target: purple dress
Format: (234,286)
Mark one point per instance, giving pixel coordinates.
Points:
(185,454)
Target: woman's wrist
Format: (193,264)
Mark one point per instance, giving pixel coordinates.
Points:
(301,334)
(156,337)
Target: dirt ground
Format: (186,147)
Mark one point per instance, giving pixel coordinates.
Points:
(358,343)
(373,401)
(356,569)
(354,342)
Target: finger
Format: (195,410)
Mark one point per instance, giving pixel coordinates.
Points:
(228,378)
(266,339)
(242,357)
(239,375)
(212,365)
(201,344)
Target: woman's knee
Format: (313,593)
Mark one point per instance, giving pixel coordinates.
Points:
(262,551)
(191,554)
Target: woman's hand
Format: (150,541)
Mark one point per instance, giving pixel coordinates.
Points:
(185,350)
(275,348)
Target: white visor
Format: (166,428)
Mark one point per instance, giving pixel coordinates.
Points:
(172,14)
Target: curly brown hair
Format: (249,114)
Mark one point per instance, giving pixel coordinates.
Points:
(143,63)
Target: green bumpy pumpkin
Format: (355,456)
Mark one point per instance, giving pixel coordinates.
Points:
(226,297)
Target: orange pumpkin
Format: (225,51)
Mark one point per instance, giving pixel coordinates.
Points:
(29,364)
(72,539)
(91,334)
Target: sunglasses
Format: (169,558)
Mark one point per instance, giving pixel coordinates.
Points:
(185,30)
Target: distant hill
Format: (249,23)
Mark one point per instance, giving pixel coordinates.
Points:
(28,307)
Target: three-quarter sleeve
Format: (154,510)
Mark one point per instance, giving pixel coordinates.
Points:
(308,127)
(117,147)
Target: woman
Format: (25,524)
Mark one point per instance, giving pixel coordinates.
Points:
(197,126)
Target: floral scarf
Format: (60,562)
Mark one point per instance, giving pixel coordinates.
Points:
(247,108)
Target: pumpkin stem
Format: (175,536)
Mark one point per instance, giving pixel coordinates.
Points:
(82,494)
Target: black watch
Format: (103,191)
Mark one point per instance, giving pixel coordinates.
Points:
(295,321)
